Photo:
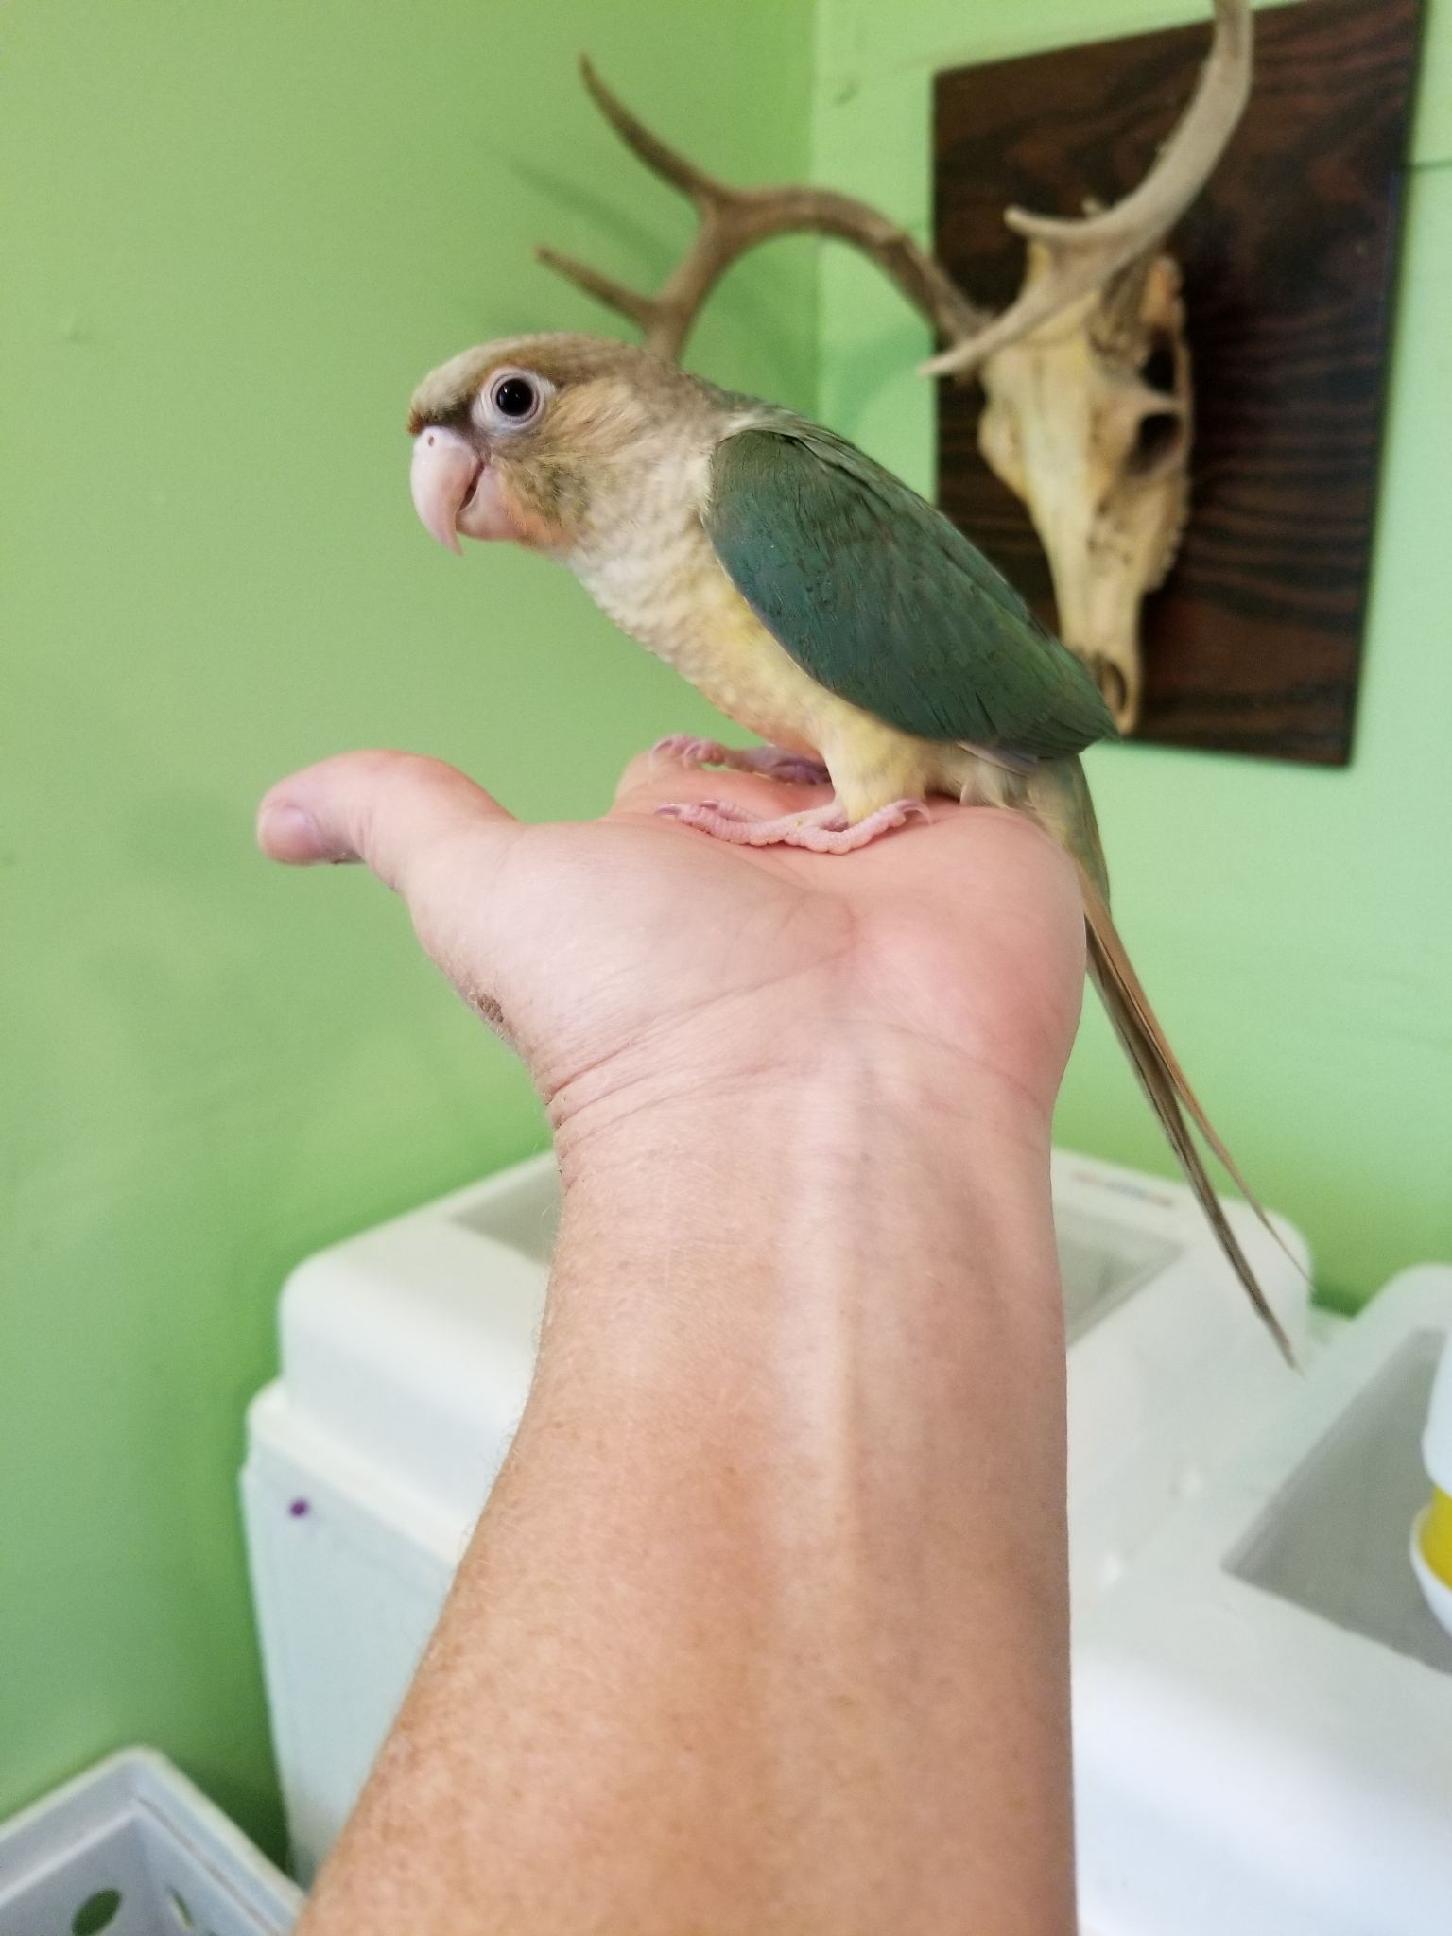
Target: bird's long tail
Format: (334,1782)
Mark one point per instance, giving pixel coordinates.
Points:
(1070,818)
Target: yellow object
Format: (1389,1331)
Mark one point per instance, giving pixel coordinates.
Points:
(1436,1540)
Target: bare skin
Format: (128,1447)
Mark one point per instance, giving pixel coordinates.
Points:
(765,1626)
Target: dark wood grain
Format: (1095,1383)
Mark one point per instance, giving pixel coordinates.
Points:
(1253,644)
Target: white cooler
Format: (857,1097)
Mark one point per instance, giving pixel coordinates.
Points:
(406,1357)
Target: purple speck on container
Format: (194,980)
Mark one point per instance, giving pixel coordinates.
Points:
(299,1508)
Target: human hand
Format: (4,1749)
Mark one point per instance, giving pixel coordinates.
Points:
(631,960)
(771,1595)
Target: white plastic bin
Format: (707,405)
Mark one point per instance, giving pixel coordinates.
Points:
(133,1849)
(407,1354)
(1263,1710)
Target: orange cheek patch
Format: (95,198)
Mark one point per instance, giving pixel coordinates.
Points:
(531,524)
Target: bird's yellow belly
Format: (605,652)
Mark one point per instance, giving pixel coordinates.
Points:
(680,604)
(734,661)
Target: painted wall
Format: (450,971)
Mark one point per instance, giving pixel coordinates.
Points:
(233,236)
(1294,927)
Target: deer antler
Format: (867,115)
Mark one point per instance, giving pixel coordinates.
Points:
(733,220)
(1080,255)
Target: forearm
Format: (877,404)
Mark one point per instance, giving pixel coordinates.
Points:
(765,1626)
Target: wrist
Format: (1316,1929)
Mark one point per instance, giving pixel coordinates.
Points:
(823,1304)
(848,1163)
(805,1097)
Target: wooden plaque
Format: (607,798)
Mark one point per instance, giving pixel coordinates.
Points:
(1289,256)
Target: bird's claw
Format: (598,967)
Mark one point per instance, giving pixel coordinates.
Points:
(770,762)
(825,830)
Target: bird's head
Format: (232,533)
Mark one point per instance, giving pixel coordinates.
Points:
(526,438)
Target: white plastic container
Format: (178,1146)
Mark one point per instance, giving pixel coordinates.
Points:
(1263,1710)
(133,1849)
(1429,1538)
(406,1359)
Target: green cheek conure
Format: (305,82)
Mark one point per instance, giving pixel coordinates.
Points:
(812,597)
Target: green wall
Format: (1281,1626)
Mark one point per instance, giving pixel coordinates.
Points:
(233,235)
(1294,927)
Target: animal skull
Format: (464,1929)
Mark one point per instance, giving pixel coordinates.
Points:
(1088,420)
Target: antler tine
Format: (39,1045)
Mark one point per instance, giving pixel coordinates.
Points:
(733,220)
(615,295)
(657,155)
(1083,254)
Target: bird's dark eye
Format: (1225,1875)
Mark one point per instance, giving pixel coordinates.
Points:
(511,400)
(516,398)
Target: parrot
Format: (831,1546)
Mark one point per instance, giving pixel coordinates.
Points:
(815,599)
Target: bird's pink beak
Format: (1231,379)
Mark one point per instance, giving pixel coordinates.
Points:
(442,477)
(456,490)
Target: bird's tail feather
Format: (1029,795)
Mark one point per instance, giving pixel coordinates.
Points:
(1170,1094)
(1058,796)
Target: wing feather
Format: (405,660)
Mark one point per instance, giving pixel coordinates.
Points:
(883,601)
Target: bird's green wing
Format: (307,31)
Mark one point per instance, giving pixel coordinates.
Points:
(883,601)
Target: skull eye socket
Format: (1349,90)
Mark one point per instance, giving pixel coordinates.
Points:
(1158,437)
(1161,366)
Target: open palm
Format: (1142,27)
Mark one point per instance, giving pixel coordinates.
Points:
(629,957)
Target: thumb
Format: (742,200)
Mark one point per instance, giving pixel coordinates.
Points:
(388,810)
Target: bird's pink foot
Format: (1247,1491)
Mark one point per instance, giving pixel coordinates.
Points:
(825,830)
(769,761)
